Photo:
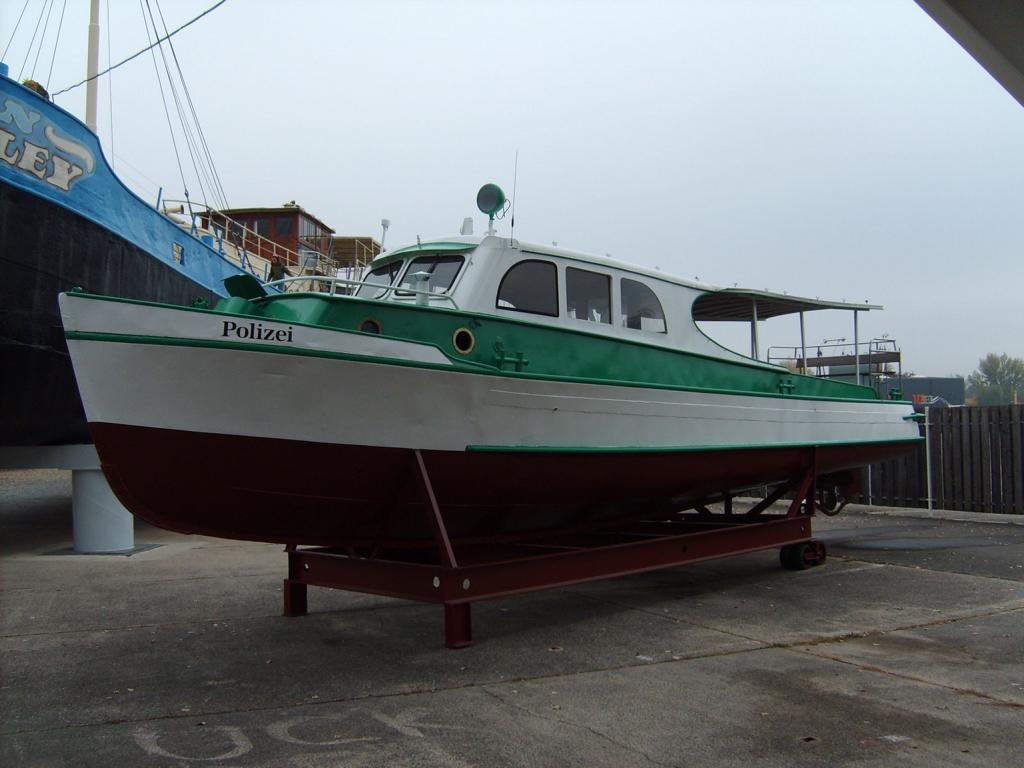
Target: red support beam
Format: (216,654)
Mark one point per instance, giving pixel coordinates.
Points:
(565,557)
(444,544)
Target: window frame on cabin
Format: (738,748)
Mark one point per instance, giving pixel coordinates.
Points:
(408,290)
(574,274)
(512,306)
(381,288)
(651,294)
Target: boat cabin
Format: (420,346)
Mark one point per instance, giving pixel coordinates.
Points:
(544,285)
(554,286)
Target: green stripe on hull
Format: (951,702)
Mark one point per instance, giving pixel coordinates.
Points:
(459,366)
(522,349)
(555,351)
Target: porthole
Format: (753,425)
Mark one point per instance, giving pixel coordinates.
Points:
(369,325)
(464,340)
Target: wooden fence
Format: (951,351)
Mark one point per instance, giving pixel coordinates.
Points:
(977,459)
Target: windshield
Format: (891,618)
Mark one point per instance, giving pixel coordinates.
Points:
(441,268)
(381,276)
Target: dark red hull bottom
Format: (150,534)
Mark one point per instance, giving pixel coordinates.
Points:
(312,493)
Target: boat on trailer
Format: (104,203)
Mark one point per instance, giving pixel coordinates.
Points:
(470,397)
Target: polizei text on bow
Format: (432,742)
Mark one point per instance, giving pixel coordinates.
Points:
(256,331)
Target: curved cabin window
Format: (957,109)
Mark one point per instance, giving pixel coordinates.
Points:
(442,269)
(382,276)
(588,295)
(530,286)
(641,308)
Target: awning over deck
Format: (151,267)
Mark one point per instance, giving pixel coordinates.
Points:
(745,304)
(751,306)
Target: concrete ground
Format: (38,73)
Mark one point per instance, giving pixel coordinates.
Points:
(905,648)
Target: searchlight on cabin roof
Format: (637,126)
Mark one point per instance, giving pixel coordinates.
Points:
(490,200)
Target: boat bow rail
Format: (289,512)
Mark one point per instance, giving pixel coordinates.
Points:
(388,292)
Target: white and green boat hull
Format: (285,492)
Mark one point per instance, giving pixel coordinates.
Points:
(261,428)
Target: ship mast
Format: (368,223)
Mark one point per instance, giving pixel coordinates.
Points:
(92,66)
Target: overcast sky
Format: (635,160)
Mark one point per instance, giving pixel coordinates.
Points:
(847,150)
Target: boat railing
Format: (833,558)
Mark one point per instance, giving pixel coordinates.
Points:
(359,255)
(230,234)
(394,292)
(835,353)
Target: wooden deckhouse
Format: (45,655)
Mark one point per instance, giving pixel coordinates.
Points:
(287,237)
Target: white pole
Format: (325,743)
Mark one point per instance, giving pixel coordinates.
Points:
(92,65)
(755,352)
(856,346)
(803,347)
(928,452)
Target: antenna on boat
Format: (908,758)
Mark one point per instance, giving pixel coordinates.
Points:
(384,224)
(515,181)
(490,200)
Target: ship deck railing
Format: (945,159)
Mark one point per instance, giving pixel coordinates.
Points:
(226,231)
(876,353)
(350,287)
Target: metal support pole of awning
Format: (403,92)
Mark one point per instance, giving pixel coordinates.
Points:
(856,346)
(803,347)
(755,351)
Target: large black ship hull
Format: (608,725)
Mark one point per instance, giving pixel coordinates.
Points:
(45,249)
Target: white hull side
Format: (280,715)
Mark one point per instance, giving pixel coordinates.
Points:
(239,392)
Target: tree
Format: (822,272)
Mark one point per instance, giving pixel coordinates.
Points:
(999,380)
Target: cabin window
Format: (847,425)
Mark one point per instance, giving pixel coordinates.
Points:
(588,295)
(285,225)
(382,276)
(441,268)
(530,286)
(641,308)
(261,227)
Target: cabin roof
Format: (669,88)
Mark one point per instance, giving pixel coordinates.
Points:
(716,303)
(288,208)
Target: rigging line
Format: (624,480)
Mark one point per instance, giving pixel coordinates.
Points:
(186,133)
(110,83)
(32,41)
(198,167)
(123,161)
(56,43)
(16,25)
(42,39)
(139,53)
(202,172)
(195,116)
(167,112)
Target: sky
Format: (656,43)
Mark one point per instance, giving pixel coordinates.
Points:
(838,149)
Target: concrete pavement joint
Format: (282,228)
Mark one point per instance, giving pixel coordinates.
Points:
(852,559)
(574,724)
(398,603)
(295,705)
(798,645)
(134,627)
(911,678)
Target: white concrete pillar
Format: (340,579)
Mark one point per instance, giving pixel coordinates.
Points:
(101,524)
